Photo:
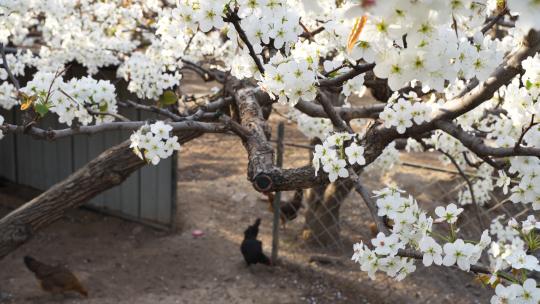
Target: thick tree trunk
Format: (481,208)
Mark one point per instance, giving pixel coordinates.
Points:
(322,216)
(109,169)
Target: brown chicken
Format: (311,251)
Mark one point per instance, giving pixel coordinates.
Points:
(54,279)
(288,209)
(373,230)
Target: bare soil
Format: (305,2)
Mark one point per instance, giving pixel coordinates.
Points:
(125,262)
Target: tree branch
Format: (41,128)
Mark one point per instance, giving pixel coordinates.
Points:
(314,110)
(260,151)
(477,145)
(206,74)
(336,119)
(109,169)
(481,93)
(502,76)
(204,109)
(377,137)
(372,206)
(112,126)
(409,253)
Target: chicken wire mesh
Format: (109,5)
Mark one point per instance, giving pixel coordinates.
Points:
(312,214)
(334,217)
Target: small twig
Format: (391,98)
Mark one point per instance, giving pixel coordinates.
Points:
(189,43)
(372,206)
(469,184)
(430,168)
(92,112)
(154,109)
(8,70)
(524,131)
(310,34)
(454,24)
(463,174)
(117,116)
(58,74)
(494,21)
(206,74)
(307,33)
(339,80)
(469,162)
(332,113)
(233,18)
(335,70)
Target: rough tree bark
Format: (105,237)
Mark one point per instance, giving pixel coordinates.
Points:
(109,169)
(322,216)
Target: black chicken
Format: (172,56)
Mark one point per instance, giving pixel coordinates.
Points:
(251,248)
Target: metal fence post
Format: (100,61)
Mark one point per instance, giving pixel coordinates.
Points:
(277,197)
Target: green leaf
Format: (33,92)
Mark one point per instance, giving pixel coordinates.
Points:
(333,74)
(168,98)
(103,107)
(528,84)
(41,109)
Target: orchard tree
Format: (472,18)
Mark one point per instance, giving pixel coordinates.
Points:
(459,77)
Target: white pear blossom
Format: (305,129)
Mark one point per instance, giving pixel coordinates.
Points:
(432,251)
(153,142)
(402,114)
(448,214)
(458,253)
(530,224)
(209,15)
(528,293)
(387,245)
(313,127)
(504,295)
(355,154)
(336,168)
(519,259)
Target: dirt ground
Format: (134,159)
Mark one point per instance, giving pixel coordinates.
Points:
(125,262)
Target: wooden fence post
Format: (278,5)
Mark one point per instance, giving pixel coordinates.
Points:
(277,197)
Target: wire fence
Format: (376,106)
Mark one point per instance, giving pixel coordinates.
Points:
(319,207)
(332,218)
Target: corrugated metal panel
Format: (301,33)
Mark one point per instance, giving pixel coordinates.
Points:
(146,196)
(156,186)
(8,148)
(130,200)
